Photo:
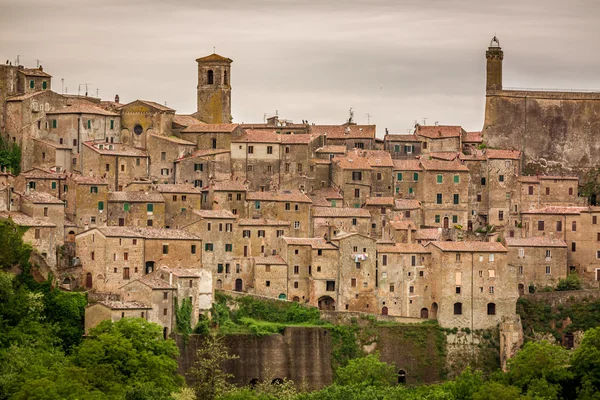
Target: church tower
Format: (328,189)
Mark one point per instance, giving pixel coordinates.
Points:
(494,56)
(214,89)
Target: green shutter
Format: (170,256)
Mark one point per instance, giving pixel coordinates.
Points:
(100,205)
(333,203)
(89,124)
(31,84)
(397,148)
(125,206)
(150,207)
(53,185)
(112,124)
(437,219)
(455,219)
(44,85)
(397,190)
(257,205)
(456,179)
(54,124)
(410,190)
(399,176)
(440,179)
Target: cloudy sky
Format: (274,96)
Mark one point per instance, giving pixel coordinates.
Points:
(398,61)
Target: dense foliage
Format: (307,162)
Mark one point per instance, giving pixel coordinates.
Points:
(10,156)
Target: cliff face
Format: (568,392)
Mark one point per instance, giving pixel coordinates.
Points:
(557,131)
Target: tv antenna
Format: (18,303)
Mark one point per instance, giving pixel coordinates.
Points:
(39,62)
(425,120)
(368,118)
(97,95)
(62,85)
(86,89)
(18,60)
(264,117)
(351,119)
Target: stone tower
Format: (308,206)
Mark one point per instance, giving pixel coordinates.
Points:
(214,89)
(494,56)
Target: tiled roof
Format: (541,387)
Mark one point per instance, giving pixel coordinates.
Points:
(83,108)
(340,212)
(327,193)
(153,104)
(216,214)
(88,180)
(406,204)
(185,120)
(345,131)
(407,165)
(332,149)
(443,155)
(262,222)
(400,138)
(177,188)
(376,158)
(352,161)
(25,220)
(295,196)
(428,234)
(116,231)
(135,197)
(34,72)
(556,210)
(439,165)
(403,248)
(210,128)
(529,179)
(214,57)
(162,233)
(478,247)
(439,131)
(202,153)
(173,139)
(503,154)
(557,177)
(539,241)
(26,95)
(39,173)
(472,137)
(403,224)
(155,282)
(118,149)
(182,272)
(315,243)
(269,260)
(297,138)
(123,305)
(380,201)
(53,144)
(320,161)
(258,136)
(41,198)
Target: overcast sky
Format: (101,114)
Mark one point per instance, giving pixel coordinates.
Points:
(399,61)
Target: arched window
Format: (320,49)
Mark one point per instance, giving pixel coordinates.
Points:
(219,284)
(225,78)
(457,308)
(282,296)
(239,285)
(210,77)
(434,310)
(424,313)
(88,280)
(384,310)
(491,308)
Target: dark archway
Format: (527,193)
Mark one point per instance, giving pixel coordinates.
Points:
(521,288)
(384,310)
(149,267)
(491,309)
(282,296)
(71,236)
(593,200)
(457,308)
(165,333)
(219,284)
(253,382)
(446,223)
(401,377)
(434,310)
(277,381)
(296,299)
(225,78)
(239,285)
(424,313)
(88,280)
(210,77)
(326,303)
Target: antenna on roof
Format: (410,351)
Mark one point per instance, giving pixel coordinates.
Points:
(425,120)
(351,119)
(18,60)
(368,118)
(436,123)
(38,62)
(97,94)
(62,85)
(264,117)
(214,49)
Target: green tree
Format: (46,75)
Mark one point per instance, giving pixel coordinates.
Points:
(586,365)
(497,391)
(366,371)
(183,317)
(571,282)
(211,380)
(13,252)
(10,156)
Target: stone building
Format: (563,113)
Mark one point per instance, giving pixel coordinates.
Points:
(40,234)
(203,167)
(474,286)
(328,221)
(212,136)
(292,206)
(408,209)
(351,174)
(406,179)
(179,198)
(539,261)
(296,151)
(503,170)
(52,156)
(349,135)
(163,151)
(135,209)
(85,200)
(436,138)
(380,209)
(142,118)
(258,236)
(113,310)
(214,89)
(227,195)
(541,191)
(41,180)
(256,158)
(271,277)
(402,147)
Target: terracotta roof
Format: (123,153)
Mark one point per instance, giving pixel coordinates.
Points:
(503,154)
(478,247)
(122,305)
(216,214)
(88,180)
(340,212)
(39,173)
(376,158)
(402,248)
(403,224)
(529,179)
(443,155)
(401,138)
(202,153)
(345,131)
(53,144)
(315,243)
(228,186)
(258,136)
(214,57)
(295,196)
(210,128)
(262,222)
(439,131)
(162,233)
(135,197)
(119,149)
(185,120)
(352,161)
(182,272)
(153,104)
(34,72)
(83,108)
(319,161)
(327,193)
(177,188)
(406,204)
(439,165)
(154,282)
(539,241)
(556,210)
(472,137)
(297,138)
(269,260)
(115,231)
(428,234)
(557,177)
(407,165)
(380,201)
(27,95)
(173,139)
(41,198)
(332,149)
(25,220)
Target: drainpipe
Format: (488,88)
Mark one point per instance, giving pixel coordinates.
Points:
(116,173)
(472,295)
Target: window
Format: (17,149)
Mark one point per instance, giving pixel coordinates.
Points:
(574,226)
(379,176)
(530,190)
(220,268)
(330,286)
(491,257)
(269,149)
(357,264)
(573,246)
(457,308)
(456,198)
(439,179)
(89,124)
(74,142)
(287,206)
(296,224)
(356,175)
(501,215)
(456,178)
(594,220)
(457,256)
(354,221)
(210,77)
(198,167)
(491,289)
(410,190)
(520,270)
(356,193)
(228,247)
(279,233)
(416,176)
(261,233)
(437,219)
(295,285)
(482,181)
(296,269)
(384,259)
(500,178)
(521,253)
(455,219)
(208,247)
(163,171)
(439,198)
(540,225)
(491,273)
(257,205)
(457,290)
(31,84)
(491,309)
(54,124)
(100,205)
(126,273)
(268,283)
(558,226)
(45,211)
(399,176)
(392,288)
(246,234)
(250,149)
(409,149)
(37,233)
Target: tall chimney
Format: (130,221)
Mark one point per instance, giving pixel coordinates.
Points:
(116,98)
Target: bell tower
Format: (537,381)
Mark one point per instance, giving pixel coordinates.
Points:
(494,56)
(214,89)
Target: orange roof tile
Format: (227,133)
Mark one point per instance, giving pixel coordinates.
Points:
(332,149)
(539,241)
(439,165)
(472,137)
(439,131)
(407,204)
(185,120)
(210,128)
(400,138)
(352,161)
(345,131)
(443,155)
(214,57)
(258,136)
(477,247)
(407,165)
(83,108)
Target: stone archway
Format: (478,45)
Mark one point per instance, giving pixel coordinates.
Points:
(434,310)
(384,310)
(424,313)
(326,303)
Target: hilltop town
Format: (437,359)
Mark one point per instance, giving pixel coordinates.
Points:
(138,205)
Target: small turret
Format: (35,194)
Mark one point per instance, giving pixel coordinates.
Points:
(494,56)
